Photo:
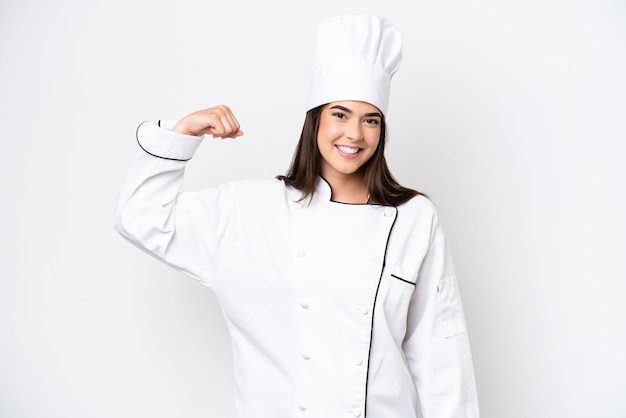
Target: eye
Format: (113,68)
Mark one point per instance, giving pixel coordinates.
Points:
(339,115)
(372,121)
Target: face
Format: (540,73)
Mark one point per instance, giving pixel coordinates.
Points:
(348,135)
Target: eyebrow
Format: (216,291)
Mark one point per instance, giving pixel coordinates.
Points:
(345,109)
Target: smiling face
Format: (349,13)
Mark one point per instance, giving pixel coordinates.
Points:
(348,135)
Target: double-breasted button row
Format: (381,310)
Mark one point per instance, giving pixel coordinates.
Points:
(307,358)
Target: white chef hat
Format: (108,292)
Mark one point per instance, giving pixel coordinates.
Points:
(355,59)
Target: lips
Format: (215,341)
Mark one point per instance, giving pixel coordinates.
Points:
(343,149)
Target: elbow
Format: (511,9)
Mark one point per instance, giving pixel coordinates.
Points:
(129,230)
(118,225)
(143,232)
(123,225)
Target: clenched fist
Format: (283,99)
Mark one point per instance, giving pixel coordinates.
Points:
(218,121)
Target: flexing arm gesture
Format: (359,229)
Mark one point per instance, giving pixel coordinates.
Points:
(218,121)
(184,229)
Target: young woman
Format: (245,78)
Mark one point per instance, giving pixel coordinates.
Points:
(335,281)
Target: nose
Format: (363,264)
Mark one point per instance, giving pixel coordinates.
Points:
(354,130)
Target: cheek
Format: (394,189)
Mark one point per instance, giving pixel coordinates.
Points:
(372,148)
(327,131)
(374,141)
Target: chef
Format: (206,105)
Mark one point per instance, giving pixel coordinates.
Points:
(335,281)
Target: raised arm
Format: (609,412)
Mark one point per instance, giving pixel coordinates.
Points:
(185,230)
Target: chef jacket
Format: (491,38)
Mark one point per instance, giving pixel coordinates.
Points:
(334,310)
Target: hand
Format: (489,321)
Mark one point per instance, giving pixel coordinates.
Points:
(218,121)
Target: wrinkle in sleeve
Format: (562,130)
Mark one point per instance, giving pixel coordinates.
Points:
(436,343)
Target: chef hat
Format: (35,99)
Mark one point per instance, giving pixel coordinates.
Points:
(355,59)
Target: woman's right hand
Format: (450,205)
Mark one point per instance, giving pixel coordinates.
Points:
(218,121)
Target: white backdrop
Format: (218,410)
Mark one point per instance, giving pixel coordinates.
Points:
(510,115)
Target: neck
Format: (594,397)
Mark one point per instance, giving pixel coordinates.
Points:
(348,189)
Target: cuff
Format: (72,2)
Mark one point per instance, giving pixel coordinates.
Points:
(155,139)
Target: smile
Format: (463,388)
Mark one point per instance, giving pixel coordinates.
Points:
(348,150)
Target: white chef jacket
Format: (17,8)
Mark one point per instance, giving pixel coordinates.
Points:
(334,310)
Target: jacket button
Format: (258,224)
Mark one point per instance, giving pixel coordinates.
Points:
(301,253)
(389,212)
(356,412)
(363,310)
(304,305)
(358,361)
(302,407)
(306,356)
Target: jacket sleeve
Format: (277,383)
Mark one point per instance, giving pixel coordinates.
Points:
(183,229)
(436,343)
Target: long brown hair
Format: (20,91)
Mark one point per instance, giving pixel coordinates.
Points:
(304,171)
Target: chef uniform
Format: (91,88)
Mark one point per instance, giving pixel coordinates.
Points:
(334,310)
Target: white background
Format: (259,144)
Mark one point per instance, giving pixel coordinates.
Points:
(510,115)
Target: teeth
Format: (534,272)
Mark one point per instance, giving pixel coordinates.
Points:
(347,150)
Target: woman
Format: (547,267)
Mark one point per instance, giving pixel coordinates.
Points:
(336,282)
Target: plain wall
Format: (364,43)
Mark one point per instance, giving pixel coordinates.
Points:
(510,115)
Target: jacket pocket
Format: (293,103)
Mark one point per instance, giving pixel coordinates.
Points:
(394,298)
(402,280)
(450,310)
